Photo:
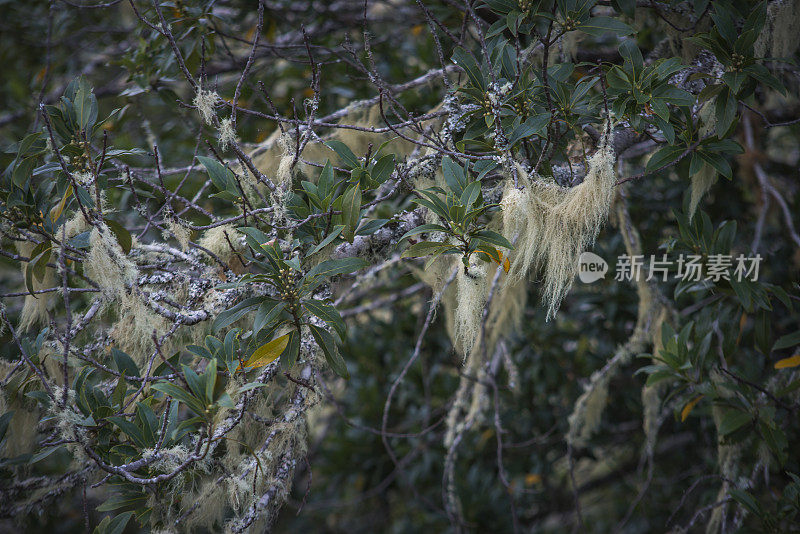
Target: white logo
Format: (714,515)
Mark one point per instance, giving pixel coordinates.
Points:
(591,267)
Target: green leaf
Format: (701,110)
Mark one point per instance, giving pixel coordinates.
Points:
(760,73)
(351,211)
(181,395)
(732,421)
(267,313)
(383,168)
(113,526)
(41,455)
(124,363)
(126,499)
(327,313)
(325,242)
(37,265)
(148,422)
(746,500)
(789,340)
(255,237)
(193,380)
(717,161)
(348,158)
(463,59)
(216,171)
(23,171)
(659,376)
(663,157)
(289,356)
(627,7)
(329,268)
(423,228)
(493,238)
(370,227)
(734,80)
(674,95)
(532,126)
(426,248)
(232,315)
(631,54)
(598,26)
(436,205)
(724,24)
(130,429)
(328,346)
(200,351)
(725,109)
(121,389)
(85,106)
(5,419)
(325,182)
(453,175)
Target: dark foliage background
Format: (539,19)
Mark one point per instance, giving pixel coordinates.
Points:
(349,483)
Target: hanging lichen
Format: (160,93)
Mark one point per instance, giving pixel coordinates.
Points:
(472,289)
(34,310)
(107,264)
(205,101)
(224,242)
(556,224)
(180,232)
(779,38)
(588,409)
(227,134)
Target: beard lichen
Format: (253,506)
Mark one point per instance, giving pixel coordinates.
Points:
(227,135)
(472,290)
(107,264)
(181,233)
(21,430)
(205,101)
(779,37)
(68,423)
(34,310)
(225,243)
(116,274)
(555,224)
(728,456)
(588,409)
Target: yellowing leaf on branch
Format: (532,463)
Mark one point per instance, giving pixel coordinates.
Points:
(533,478)
(55,213)
(689,407)
(787,363)
(496,256)
(267,353)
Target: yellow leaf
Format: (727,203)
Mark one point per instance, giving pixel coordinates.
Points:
(267,353)
(55,213)
(499,259)
(688,408)
(416,30)
(742,324)
(532,478)
(786,363)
